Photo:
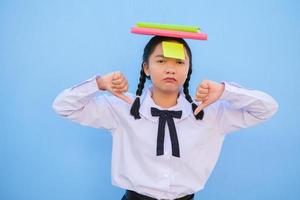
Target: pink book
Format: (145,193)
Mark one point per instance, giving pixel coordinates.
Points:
(169,33)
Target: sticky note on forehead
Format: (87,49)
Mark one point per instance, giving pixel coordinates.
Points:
(173,50)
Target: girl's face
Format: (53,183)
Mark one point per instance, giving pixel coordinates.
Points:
(167,74)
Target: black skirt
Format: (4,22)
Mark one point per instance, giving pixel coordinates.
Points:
(131,195)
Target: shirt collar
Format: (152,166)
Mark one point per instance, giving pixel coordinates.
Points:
(147,102)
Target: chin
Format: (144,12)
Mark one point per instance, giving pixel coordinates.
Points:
(171,89)
(167,88)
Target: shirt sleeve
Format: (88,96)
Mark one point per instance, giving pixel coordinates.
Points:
(241,108)
(87,105)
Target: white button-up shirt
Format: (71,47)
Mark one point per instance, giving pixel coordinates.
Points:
(135,165)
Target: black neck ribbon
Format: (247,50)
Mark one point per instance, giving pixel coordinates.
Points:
(166,116)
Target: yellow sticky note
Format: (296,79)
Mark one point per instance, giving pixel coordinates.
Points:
(173,50)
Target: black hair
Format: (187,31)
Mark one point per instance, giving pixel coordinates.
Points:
(148,50)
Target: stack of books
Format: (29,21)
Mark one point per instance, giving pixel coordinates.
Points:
(169,30)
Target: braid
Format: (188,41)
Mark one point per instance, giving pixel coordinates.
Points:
(141,83)
(134,111)
(188,97)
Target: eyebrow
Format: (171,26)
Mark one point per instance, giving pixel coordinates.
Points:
(161,56)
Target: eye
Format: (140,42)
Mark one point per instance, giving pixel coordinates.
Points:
(160,61)
(181,62)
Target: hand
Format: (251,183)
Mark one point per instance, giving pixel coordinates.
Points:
(115,83)
(207,93)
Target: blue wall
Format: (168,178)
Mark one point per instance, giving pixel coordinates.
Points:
(47,46)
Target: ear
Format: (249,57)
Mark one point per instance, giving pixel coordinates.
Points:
(146,69)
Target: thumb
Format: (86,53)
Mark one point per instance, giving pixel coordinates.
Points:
(200,107)
(123,97)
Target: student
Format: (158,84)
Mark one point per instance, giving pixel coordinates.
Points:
(165,143)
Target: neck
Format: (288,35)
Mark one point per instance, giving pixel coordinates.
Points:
(163,99)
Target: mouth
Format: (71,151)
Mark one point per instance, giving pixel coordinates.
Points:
(168,79)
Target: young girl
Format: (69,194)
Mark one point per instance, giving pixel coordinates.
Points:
(165,144)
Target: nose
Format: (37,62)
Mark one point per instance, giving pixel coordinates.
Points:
(170,70)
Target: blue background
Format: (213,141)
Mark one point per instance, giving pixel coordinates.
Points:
(47,46)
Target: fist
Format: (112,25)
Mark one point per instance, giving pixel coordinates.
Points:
(115,83)
(207,93)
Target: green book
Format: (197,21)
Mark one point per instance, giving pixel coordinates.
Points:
(193,29)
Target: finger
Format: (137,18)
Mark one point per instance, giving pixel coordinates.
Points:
(121,86)
(201,97)
(202,94)
(118,81)
(124,97)
(126,88)
(202,90)
(204,84)
(117,75)
(120,90)
(200,107)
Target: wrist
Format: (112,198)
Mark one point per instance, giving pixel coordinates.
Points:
(100,83)
(222,88)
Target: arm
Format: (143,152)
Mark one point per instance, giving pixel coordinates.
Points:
(239,107)
(86,104)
